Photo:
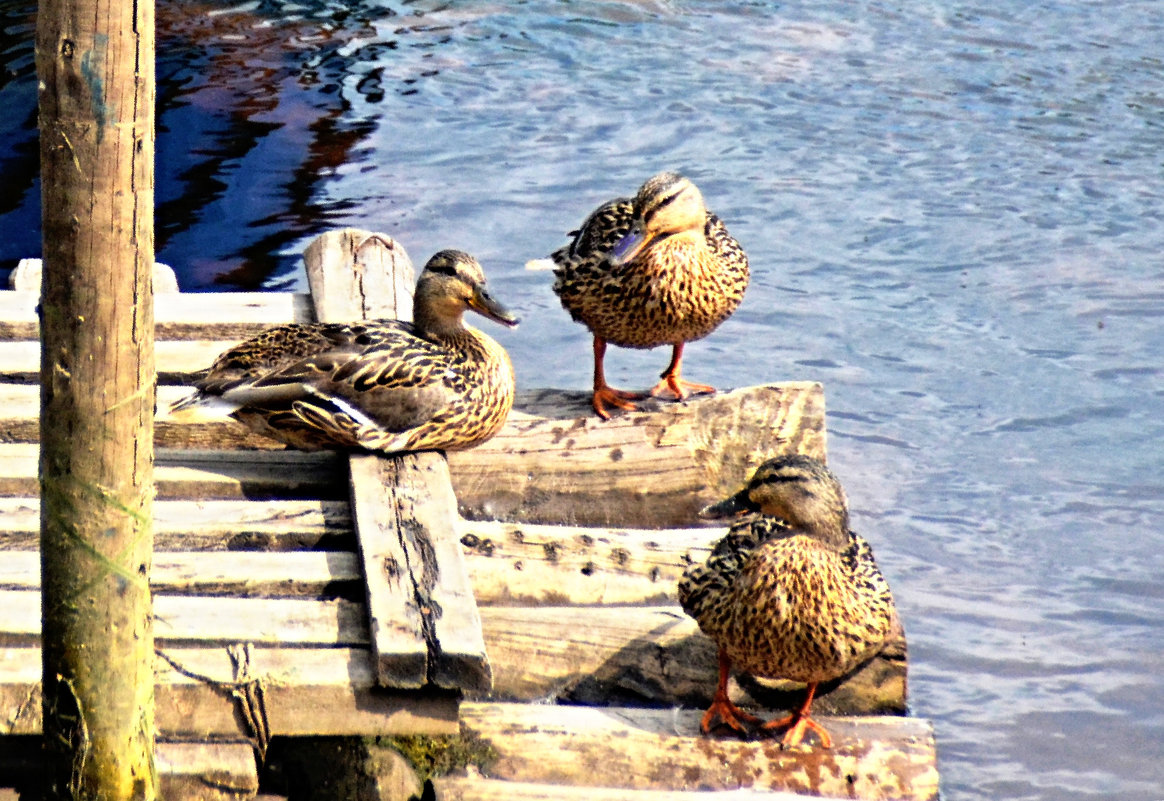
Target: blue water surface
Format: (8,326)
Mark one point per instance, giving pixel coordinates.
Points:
(954,217)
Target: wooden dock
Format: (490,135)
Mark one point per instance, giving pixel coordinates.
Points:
(303,594)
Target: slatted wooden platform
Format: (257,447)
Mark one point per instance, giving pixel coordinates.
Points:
(281,609)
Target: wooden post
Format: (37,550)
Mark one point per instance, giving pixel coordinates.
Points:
(95,62)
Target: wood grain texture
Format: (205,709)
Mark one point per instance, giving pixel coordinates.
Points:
(186,771)
(400,644)
(479,788)
(651,749)
(220,475)
(556,462)
(306,691)
(656,656)
(297,574)
(219,315)
(423,616)
(359,275)
(210,620)
(533,564)
(212,525)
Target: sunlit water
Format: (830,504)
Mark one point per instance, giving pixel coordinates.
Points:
(953,213)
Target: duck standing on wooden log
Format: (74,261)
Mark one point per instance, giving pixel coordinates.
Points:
(659,269)
(381,385)
(789,592)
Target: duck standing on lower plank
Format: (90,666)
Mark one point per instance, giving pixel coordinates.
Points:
(789,592)
(380,385)
(658,269)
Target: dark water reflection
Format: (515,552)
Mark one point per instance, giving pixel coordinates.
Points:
(954,216)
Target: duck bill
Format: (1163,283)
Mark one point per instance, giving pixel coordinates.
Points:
(734,506)
(629,246)
(484,304)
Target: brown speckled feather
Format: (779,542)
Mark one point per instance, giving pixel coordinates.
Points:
(784,605)
(380,385)
(677,289)
(784,600)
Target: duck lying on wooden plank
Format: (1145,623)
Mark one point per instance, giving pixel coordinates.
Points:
(790,592)
(380,385)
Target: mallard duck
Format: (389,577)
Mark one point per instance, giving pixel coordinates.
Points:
(790,592)
(656,270)
(380,385)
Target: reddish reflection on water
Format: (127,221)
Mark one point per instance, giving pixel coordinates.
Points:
(250,121)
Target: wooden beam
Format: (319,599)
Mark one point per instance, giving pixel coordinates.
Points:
(253,574)
(396,621)
(186,771)
(419,597)
(305,691)
(29,272)
(197,619)
(661,749)
(210,525)
(359,275)
(543,565)
(19,410)
(206,474)
(479,788)
(655,656)
(556,462)
(186,315)
(423,616)
(178,360)
(206,771)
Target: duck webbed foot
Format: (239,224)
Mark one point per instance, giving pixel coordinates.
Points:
(798,723)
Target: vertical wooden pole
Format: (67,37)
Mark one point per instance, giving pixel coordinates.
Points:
(95,63)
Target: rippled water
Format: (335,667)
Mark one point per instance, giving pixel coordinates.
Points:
(953,212)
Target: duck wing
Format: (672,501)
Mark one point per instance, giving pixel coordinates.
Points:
(601,231)
(366,387)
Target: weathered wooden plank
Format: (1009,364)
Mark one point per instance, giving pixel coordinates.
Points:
(20,422)
(359,275)
(535,564)
(186,771)
(206,474)
(281,525)
(641,749)
(459,658)
(177,359)
(424,621)
(194,619)
(403,509)
(478,788)
(253,574)
(337,269)
(185,315)
(556,462)
(206,771)
(305,691)
(652,468)
(396,622)
(655,656)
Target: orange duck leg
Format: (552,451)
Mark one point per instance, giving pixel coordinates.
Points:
(671,383)
(798,722)
(721,706)
(605,394)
